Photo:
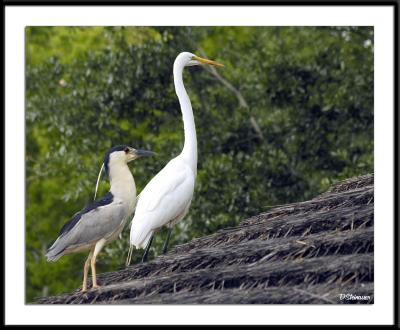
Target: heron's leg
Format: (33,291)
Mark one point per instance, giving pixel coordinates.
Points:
(99,245)
(165,247)
(146,251)
(85,271)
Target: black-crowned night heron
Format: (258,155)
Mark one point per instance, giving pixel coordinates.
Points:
(101,221)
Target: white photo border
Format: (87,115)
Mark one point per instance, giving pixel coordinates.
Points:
(18,17)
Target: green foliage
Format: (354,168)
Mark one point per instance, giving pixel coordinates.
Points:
(310,91)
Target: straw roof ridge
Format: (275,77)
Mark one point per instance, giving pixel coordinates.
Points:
(318,251)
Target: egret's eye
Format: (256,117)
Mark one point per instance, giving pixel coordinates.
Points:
(126,150)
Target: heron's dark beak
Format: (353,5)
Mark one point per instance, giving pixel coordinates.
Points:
(144,153)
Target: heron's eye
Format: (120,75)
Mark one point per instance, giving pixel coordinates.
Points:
(126,150)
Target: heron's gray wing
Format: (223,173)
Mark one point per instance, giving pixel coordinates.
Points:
(105,200)
(99,219)
(99,223)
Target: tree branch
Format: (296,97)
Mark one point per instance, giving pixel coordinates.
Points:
(238,94)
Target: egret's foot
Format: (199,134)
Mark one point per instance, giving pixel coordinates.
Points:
(96,286)
(83,290)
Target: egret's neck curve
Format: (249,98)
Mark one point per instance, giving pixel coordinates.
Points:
(189,151)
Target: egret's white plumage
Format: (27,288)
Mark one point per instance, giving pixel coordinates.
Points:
(164,201)
(166,198)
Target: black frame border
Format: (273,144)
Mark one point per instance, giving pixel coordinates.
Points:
(358,3)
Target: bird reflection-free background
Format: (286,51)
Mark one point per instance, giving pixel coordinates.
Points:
(291,112)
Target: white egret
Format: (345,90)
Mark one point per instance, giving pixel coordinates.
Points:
(166,198)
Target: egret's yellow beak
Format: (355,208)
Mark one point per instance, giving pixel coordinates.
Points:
(206,61)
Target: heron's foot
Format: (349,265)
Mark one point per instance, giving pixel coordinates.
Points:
(84,289)
(96,286)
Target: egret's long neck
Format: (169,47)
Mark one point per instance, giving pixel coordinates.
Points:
(189,151)
(122,182)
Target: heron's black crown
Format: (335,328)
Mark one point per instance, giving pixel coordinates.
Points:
(109,152)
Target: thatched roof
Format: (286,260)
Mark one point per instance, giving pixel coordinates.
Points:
(308,252)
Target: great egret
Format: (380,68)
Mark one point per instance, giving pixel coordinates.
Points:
(101,221)
(166,198)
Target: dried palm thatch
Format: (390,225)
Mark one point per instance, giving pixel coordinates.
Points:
(314,252)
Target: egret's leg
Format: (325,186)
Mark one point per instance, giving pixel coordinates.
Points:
(146,251)
(165,247)
(85,271)
(99,245)
(129,257)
